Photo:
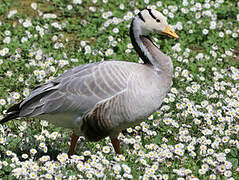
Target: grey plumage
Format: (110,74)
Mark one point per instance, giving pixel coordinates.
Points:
(106,94)
(101,99)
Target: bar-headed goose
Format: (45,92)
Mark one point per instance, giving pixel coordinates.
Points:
(100,99)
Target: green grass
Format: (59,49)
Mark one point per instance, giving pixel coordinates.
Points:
(203,113)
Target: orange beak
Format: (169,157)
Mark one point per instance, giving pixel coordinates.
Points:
(170,32)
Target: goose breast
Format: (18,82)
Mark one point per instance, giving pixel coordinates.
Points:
(142,96)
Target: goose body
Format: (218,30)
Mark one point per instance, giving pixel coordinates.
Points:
(100,99)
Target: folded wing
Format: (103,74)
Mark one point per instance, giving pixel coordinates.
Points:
(77,90)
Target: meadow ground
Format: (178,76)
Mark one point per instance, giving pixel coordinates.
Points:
(193,136)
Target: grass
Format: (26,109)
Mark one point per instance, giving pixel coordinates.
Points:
(193,136)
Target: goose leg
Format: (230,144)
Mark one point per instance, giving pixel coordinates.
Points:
(116,144)
(74,139)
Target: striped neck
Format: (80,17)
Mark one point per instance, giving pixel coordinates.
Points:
(147,50)
(135,39)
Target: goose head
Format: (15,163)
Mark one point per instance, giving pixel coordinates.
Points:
(152,21)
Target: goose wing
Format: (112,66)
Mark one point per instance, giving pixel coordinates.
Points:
(77,90)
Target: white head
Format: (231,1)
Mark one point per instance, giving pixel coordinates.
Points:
(150,20)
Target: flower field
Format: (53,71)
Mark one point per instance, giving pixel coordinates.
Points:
(195,133)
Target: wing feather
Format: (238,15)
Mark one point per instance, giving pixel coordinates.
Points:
(98,122)
(77,90)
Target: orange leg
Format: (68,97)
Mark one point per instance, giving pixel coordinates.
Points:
(116,144)
(74,139)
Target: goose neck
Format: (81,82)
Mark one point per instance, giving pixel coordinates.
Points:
(148,51)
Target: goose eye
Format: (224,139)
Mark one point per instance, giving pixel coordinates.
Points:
(158,20)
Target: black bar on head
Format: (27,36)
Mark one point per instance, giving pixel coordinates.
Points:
(151,14)
(140,16)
